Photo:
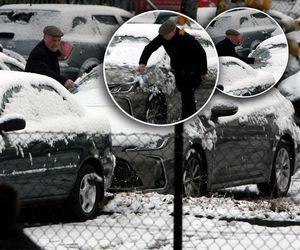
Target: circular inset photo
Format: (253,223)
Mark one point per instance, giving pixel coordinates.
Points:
(161,73)
(252,49)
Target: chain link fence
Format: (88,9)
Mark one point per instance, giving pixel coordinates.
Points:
(137,211)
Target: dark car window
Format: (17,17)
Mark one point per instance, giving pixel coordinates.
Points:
(106,19)
(125,19)
(7,95)
(13,67)
(12,16)
(78,21)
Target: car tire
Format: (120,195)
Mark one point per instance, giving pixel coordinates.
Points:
(281,173)
(88,192)
(194,176)
(88,65)
(156,110)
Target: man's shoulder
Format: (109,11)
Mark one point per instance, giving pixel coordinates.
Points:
(39,48)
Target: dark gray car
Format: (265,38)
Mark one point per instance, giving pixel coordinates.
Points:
(87,30)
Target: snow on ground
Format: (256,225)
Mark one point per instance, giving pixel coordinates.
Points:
(145,221)
(274,54)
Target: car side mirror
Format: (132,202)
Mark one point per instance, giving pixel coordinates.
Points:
(222,110)
(9,123)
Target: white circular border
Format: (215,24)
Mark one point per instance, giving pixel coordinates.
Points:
(258,11)
(168,124)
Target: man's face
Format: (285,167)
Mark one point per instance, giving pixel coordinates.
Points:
(52,42)
(170,35)
(237,40)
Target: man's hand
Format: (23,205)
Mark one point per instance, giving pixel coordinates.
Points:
(69,84)
(142,68)
(204,77)
(257,60)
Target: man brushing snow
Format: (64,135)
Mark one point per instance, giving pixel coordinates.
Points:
(188,60)
(43,59)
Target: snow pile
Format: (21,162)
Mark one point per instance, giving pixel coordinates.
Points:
(239,79)
(274,54)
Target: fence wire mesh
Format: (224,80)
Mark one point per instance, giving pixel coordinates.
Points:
(137,211)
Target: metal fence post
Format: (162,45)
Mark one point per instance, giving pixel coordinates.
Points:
(178,186)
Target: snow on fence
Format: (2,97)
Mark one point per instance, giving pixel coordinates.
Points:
(137,211)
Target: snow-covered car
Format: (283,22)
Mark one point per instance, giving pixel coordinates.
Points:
(237,78)
(51,147)
(253,24)
(151,97)
(274,54)
(87,30)
(231,142)
(9,63)
(286,22)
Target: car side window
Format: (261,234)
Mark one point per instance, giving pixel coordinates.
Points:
(78,21)
(35,102)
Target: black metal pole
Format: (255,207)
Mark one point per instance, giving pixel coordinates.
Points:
(178,186)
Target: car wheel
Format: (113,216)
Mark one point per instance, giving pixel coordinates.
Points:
(88,65)
(88,192)
(281,174)
(194,176)
(156,110)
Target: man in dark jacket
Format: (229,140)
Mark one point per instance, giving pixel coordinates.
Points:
(43,59)
(11,234)
(188,60)
(227,46)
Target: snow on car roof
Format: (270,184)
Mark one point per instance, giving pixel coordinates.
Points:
(7,59)
(50,117)
(70,8)
(237,77)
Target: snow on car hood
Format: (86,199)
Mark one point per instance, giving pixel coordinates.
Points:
(274,54)
(289,87)
(238,78)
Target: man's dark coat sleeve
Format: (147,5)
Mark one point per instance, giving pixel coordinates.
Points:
(150,48)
